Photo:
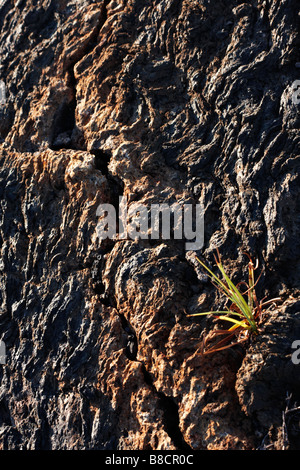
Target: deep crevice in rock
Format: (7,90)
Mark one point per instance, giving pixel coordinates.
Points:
(65,133)
(171,420)
(170,413)
(102,159)
(132,343)
(116,185)
(167,404)
(63,126)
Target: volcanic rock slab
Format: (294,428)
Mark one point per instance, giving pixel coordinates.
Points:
(159,102)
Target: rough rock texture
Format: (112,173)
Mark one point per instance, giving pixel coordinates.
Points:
(161,101)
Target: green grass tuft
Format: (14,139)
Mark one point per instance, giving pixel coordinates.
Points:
(244,313)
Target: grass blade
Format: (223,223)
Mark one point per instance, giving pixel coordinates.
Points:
(213,312)
(243,324)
